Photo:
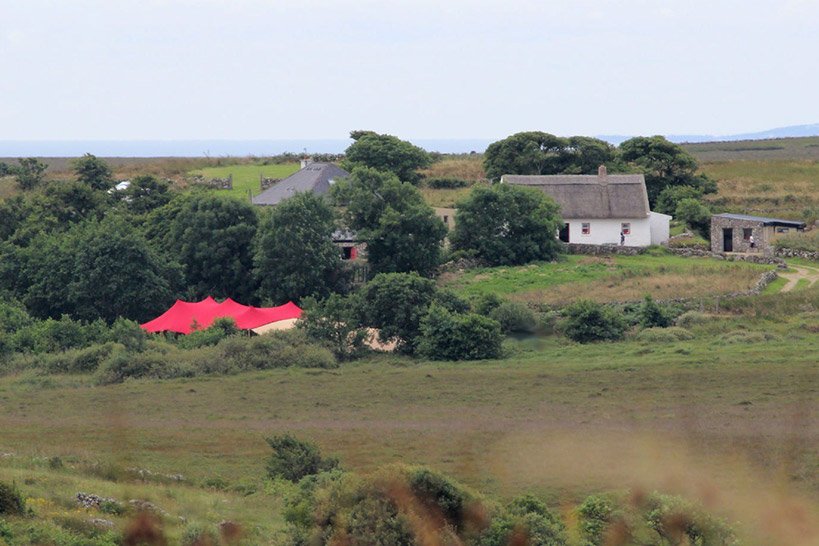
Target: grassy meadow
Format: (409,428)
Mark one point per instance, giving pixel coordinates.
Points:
(246,176)
(608,279)
(727,418)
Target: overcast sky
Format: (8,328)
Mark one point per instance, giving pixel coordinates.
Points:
(278,69)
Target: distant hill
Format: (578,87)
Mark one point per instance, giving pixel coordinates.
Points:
(780,132)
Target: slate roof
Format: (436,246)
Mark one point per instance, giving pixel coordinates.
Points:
(764,221)
(591,196)
(315,177)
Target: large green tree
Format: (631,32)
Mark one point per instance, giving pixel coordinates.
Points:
(94,172)
(536,153)
(395,303)
(145,194)
(401,231)
(664,164)
(30,172)
(507,225)
(387,153)
(212,237)
(295,254)
(97,269)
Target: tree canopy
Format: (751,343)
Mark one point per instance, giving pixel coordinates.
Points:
(295,254)
(536,152)
(212,237)
(507,225)
(94,172)
(664,164)
(387,153)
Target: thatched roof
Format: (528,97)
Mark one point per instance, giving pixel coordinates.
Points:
(591,196)
(315,177)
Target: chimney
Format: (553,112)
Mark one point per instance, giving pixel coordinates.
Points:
(601,173)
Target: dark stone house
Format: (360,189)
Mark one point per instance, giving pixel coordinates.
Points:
(736,232)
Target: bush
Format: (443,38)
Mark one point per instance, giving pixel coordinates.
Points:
(588,321)
(128,333)
(807,241)
(652,316)
(514,317)
(486,303)
(220,329)
(696,215)
(333,323)
(293,459)
(671,196)
(676,520)
(447,182)
(594,516)
(199,535)
(11,501)
(157,364)
(450,336)
(690,318)
(664,335)
(281,349)
(79,360)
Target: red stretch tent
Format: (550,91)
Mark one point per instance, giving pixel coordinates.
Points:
(182,315)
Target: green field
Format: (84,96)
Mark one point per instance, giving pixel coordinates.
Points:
(727,418)
(246,177)
(805,148)
(611,278)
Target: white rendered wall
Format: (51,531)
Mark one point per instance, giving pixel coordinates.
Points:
(607,231)
(660,227)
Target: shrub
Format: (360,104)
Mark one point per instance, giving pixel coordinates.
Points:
(514,317)
(807,241)
(447,182)
(274,350)
(695,215)
(11,501)
(220,329)
(199,535)
(671,196)
(122,365)
(486,303)
(588,321)
(128,333)
(293,459)
(676,520)
(468,336)
(79,360)
(333,322)
(664,335)
(652,316)
(594,516)
(690,318)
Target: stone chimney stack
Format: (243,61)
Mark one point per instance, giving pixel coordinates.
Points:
(602,175)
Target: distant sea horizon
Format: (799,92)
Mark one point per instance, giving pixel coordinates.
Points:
(211,148)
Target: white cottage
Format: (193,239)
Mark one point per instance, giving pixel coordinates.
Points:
(597,209)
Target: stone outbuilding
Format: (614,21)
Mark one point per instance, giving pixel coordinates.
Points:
(737,232)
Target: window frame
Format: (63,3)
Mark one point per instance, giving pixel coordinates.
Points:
(625,228)
(585,228)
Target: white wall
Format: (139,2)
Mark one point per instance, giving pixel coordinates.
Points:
(660,227)
(607,231)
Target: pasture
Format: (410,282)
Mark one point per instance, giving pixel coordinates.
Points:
(608,279)
(728,418)
(246,176)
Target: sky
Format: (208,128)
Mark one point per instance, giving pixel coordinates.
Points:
(315,69)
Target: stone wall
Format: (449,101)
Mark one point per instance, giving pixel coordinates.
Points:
(795,253)
(603,250)
(718,223)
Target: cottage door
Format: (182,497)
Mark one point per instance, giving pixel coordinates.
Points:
(727,239)
(564,233)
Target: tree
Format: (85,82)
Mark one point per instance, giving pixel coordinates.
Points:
(695,215)
(387,153)
(94,172)
(395,303)
(664,164)
(145,194)
(30,172)
(671,196)
(401,231)
(531,152)
(295,254)
(334,323)
(409,240)
(97,269)
(458,336)
(212,237)
(589,321)
(507,225)
(586,154)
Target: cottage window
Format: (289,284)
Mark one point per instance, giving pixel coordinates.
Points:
(625,227)
(746,233)
(585,228)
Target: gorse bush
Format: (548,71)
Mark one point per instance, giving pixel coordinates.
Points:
(293,459)
(588,321)
(652,315)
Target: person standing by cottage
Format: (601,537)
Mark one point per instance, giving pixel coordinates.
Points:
(622,238)
(751,242)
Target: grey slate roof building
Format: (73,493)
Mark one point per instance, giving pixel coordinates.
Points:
(591,196)
(314,177)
